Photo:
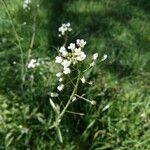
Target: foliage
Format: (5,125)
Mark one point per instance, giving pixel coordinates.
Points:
(121,117)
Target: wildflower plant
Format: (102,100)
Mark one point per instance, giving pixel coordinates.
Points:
(70,58)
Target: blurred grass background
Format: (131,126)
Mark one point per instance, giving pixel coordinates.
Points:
(121,118)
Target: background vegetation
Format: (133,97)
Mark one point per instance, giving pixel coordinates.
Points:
(121,118)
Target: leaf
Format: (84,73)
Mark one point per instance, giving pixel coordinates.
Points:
(8,139)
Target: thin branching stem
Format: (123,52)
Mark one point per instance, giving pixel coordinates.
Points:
(58,119)
(71,97)
(75,113)
(82,98)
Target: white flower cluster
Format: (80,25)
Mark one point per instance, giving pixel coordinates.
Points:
(71,55)
(26,4)
(64,29)
(42,62)
(33,63)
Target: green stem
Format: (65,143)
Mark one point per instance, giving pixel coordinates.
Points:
(58,119)
(65,42)
(31,46)
(59,134)
(83,98)
(71,97)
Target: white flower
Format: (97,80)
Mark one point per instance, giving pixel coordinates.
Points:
(81,57)
(64,28)
(92,64)
(90,83)
(68,24)
(66,63)
(54,94)
(64,53)
(71,46)
(14,62)
(33,63)
(62,49)
(37,63)
(77,51)
(59,74)
(58,59)
(95,56)
(24,23)
(60,79)
(66,70)
(143,115)
(60,87)
(81,43)
(83,79)
(104,57)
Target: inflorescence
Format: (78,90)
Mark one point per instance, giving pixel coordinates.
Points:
(71,55)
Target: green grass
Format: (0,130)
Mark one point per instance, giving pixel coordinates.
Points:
(121,118)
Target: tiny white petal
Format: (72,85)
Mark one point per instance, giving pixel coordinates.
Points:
(77,41)
(66,63)
(62,49)
(60,87)
(81,43)
(54,94)
(64,53)
(33,63)
(58,59)
(14,62)
(104,57)
(143,115)
(90,83)
(77,51)
(81,57)
(71,46)
(59,74)
(60,79)
(67,70)
(95,56)
(83,79)
(68,24)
